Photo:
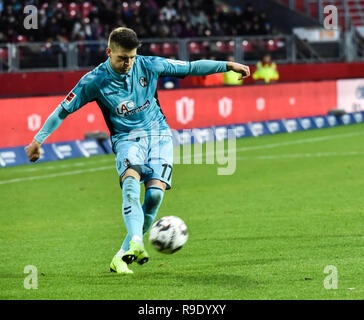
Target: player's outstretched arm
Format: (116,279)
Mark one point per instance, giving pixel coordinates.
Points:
(51,124)
(239,68)
(176,68)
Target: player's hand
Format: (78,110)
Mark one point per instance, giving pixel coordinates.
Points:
(239,68)
(33,151)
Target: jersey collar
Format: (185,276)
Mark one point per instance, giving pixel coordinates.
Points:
(116,75)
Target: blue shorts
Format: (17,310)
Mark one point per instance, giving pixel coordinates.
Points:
(151,157)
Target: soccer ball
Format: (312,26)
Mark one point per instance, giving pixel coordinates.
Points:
(168,234)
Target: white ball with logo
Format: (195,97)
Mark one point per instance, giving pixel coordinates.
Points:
(168,234)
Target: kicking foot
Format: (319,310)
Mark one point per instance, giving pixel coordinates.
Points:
(136,252)
(119,266)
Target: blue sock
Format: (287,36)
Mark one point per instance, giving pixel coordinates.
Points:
(132,210)
(152,201)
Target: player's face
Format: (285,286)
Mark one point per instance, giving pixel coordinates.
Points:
(121,60)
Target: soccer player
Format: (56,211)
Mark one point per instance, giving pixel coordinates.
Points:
(124,87)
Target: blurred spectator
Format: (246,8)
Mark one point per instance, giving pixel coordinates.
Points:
(168,12)
(266,70)
(231,78)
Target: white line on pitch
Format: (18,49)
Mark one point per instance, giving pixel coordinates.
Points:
(60,174)
(278,144)
(62,166)
(288,143)
(302,155)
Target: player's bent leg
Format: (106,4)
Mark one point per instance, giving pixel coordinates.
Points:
(153,198)
(154,192)
(133,214)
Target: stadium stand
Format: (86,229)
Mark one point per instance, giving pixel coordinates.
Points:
(72,34)
(92,20)
(350,11)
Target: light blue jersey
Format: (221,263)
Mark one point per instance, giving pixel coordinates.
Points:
(129,101)
(140,135)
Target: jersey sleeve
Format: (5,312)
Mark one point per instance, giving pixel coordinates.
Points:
(178,68)
(51,124)
(206,67)
(169,67)
(82,93)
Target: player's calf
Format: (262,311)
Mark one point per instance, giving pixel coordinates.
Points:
(152,201)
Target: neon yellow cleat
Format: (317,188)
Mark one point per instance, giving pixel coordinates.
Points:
(143,257)
(119,266)
(136,252)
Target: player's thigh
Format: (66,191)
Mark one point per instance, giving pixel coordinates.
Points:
(161,161)
(130,173)
(131,158)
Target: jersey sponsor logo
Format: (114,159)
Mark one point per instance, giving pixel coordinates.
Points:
(143,81)
(127,108)
(70,97)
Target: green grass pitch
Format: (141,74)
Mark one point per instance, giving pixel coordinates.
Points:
(294,206)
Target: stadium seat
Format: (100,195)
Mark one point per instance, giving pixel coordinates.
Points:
(73,9)
(222,47)
(155,48)
(299,5)
(3,53)
(86,9)
(313,10)
(270,45)
(169,49)
(231,45)
(247,46)
(21,39)
(194,48)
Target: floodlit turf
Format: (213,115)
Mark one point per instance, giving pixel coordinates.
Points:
(294,206)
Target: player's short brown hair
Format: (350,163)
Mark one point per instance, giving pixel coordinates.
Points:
(125,38)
